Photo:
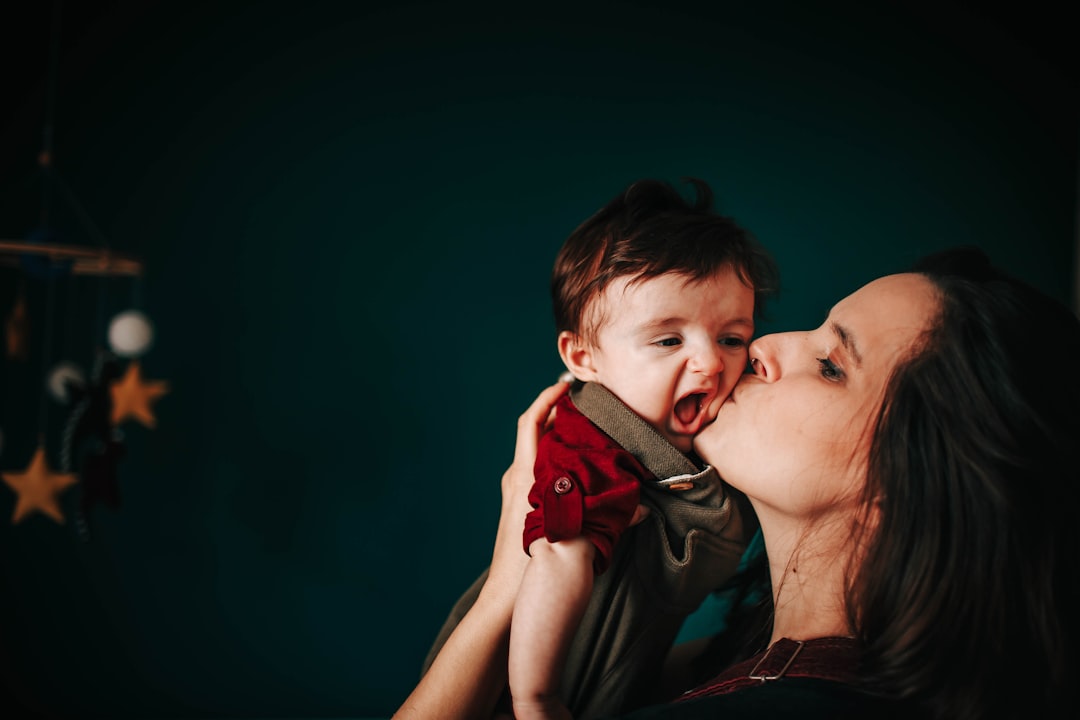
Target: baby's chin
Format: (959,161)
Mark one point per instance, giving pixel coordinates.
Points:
(704,436)
(711,410)
(682,437)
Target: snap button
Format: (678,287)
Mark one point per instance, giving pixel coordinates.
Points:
(563,485)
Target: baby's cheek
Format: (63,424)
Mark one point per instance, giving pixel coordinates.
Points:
(731,374)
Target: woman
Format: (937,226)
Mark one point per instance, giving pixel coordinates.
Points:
(914,467)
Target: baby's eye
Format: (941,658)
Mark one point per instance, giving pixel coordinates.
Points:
(829,370)
(733,342)
(669,342)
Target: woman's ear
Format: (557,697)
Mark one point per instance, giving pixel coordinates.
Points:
(577,355)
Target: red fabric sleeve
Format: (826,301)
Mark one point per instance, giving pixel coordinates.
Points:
(586,484)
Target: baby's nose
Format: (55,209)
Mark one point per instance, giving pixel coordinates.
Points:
(708,360)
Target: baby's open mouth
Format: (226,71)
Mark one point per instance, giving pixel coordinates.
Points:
(687,409)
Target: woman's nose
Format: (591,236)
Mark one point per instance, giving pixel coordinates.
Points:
(765,353)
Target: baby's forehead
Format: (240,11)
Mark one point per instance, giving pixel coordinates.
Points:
(670,298)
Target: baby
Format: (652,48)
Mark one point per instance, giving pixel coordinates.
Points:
(654,300)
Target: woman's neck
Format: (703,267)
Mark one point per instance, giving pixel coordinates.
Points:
(808,568)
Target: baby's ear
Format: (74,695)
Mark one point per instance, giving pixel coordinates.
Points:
(577,355)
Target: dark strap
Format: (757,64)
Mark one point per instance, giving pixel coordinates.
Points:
(830,658)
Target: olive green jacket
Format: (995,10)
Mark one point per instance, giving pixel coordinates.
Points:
(662,569)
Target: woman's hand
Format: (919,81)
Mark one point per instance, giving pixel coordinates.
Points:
(469,673)
(533,423)
(509,559)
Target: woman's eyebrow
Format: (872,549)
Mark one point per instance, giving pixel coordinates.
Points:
(847,340)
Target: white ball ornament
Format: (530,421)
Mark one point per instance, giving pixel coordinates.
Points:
(61,377)
(130,334)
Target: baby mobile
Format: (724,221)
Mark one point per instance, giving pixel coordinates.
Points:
(91,443)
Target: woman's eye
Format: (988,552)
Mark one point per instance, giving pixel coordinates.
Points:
(829,370)
(733,342)
(669,342)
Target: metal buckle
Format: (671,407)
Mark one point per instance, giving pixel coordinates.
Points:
(753,673)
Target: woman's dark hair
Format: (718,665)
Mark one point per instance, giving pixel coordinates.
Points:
(965,599)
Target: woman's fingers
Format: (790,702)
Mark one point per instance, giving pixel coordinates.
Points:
(518,478)
(535,421)
(508,559)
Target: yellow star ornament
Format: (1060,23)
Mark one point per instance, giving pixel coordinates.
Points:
(132,396)
(38,487)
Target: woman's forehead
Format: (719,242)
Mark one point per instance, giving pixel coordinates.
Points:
(887,315)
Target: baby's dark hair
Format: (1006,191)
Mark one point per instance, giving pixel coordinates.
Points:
(647,230)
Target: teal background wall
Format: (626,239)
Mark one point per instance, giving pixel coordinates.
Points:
(347,214)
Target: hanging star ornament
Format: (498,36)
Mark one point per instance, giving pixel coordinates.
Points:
(38,488)
(132,396)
